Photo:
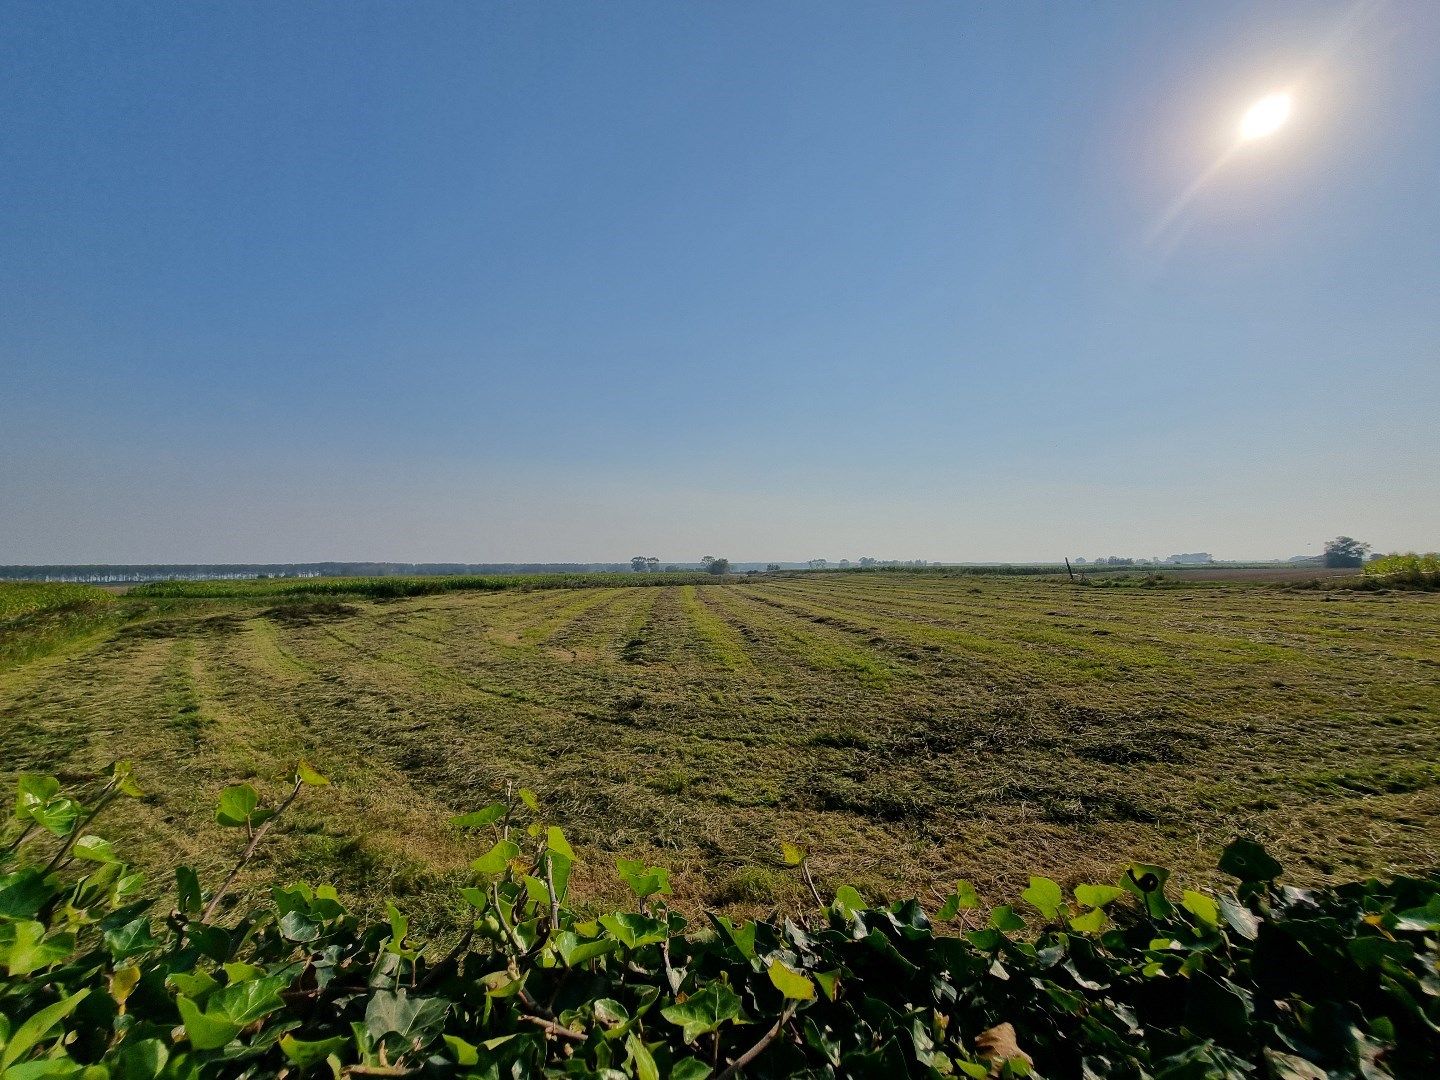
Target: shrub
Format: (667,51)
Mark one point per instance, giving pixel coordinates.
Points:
(101,980)
(1421,571)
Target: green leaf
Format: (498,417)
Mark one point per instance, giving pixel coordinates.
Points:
(480,818)
(497,858)
(24,893)
(1004,919)
(57,816)
(795,986)
(1248,861)
(1202,907)
(829,982)
(1148,883)
(245,1002)
(573,950)
(187,890)
(205,1032)
(634,930)
(555,841)
(306,1054)
(463,1052)
(792,854)
(560,867)
(690,1069)
(33,790)
(396,1013)
(141,1059)
(640,1059)
(130,939)
(964,898)
(195,985)
(704,1012)
(94,849)
(1044,896)
(1097,896)
(308,776)
(848,900)
(644,880)
(25,949)
(1091,922)
(528,798)
(237,806)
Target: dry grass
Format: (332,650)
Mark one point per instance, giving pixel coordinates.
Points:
(911,729)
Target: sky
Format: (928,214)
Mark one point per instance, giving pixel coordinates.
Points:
(475,282)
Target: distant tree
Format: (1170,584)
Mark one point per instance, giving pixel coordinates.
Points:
(638,564)
(706,560)
(844,562)
(1345,551)
(652,563)
(671,569)
(717,566)
(866,560)
(818,564)
(772,566)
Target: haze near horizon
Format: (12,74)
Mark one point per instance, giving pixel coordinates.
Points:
(957,282)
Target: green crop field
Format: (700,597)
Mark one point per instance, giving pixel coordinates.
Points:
(910,729)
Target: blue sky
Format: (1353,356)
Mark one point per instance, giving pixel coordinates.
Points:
(571,281)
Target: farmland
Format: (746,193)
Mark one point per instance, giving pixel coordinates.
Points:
(909,728)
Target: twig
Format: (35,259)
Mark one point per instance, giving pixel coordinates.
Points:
(810,881)
(759,1048)
(249,851)
(554,900)
(380,1070)
(558,1030)
(106,797)
(450,957)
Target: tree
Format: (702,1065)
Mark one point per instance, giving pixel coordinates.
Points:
(1345,551)
(652,563)
(772,566)
(717,566)
(638,564)
(818,564)
(706,560)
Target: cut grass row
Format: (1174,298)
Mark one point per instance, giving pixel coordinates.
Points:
(393,587)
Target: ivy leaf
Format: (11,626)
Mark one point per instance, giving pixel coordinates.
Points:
(792,854)
(641,1059)
(704,1012)
(57,816)
(94,849)
(205,1032)
(528,798)
(633,930)
(396,1013)
(1248,861)
(1004,919)
(964,898)
(795,986)
(237,806)
(245,1002)
(848,900)
(33,790)
(24,893)
(187,890)
(1202,907)
(142,1059)
(480,818)
(306,1054)
(555,841)
(130,939)
(1148,883)
(1097,896)
(574,950)
(644,880)
(1044,896)
(497,858)
(37,1028)
(690,1069)
(1091,922)
(308,776)
(24,947)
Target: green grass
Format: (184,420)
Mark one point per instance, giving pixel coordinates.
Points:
(41,618)
(911,729)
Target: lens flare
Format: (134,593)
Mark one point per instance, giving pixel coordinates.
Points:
(1266,116)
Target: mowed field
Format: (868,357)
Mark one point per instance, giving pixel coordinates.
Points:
(910,729)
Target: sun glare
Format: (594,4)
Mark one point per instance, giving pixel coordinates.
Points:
(1266,116)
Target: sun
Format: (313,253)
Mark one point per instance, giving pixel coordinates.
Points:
(1266,116)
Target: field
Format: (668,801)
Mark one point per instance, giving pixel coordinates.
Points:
(911,729)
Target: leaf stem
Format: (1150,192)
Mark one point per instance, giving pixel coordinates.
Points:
(249,851)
